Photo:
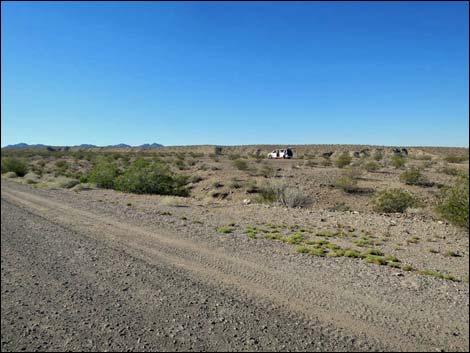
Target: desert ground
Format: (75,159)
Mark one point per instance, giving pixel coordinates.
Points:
(230,265)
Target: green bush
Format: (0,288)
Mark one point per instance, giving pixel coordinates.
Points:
(266,194)
(449,170)
(394,200)
(103,174)
(15,165)
(347,184)
(453,202)
(371,166)
(62,167)
(145,177)
(343,160)
(240,165)
(413,176)
(456,158)
(267,171)
(378,155)
(398,161)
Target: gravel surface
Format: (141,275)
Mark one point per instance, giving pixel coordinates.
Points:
(83,274)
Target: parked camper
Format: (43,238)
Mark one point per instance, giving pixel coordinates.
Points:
(285,153)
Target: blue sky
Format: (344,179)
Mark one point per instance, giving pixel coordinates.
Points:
(391,73)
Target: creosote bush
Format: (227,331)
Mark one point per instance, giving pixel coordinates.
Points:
(398,161)
(456,158)
(15,165)
(453,202)
(103,174)
(347,184)
(371,166)
(240,164)
(145,177)
(394,200)
(343,160)
(413,176)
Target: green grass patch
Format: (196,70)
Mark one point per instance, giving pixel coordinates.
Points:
(302,249)
(317,252)
(374,259)
(352,253)
(407,268)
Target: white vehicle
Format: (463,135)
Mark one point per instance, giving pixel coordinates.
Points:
(285,153)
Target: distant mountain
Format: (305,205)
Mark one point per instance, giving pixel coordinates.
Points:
(151,145)
(84,145)
(22,144)
(119,145)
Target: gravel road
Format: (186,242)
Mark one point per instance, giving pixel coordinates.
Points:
(76,278)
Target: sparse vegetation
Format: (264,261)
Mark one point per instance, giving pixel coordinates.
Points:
(453,203)
(371,166)
(394,200)
(378,155)
(103,174)
(347,184)
(15,165)
(145,177)
(456,158)
(225,230)
(398,161)
(343,160)
(413,176)
(240,164)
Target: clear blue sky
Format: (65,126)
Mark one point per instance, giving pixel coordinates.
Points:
(226,73)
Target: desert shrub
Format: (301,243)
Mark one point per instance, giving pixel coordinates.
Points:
(378,155)
(347,184)
(266,194)
(371,166)
(353,172)
(195,178)
(145,177)
(15,165)
(179,163)
(31,178)
(234,156)
(294,197)
(398,161)
(252,187)
(240,165)
(343,160)
(103,174)
(286,195)
(217,184)
(393,200)
(61,167)
(64,182)
(413,176)
(291,196)
(449,170)
(267,171)
(311,163)
(10,175)
(456,158)
(453,202)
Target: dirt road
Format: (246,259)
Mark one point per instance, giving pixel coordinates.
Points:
(77,278)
